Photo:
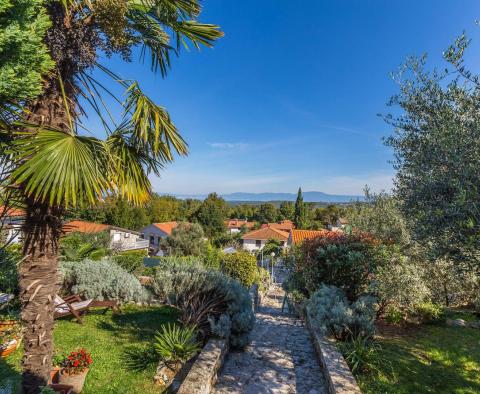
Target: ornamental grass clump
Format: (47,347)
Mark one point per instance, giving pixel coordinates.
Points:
(101,280)
(214,303)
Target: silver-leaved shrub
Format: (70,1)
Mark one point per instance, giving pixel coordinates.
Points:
(333,314)
(101,280)
(216,304)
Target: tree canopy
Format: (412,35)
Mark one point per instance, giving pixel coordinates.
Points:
(437,154)
(24,57)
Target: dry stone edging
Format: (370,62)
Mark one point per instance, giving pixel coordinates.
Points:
(335,369)
(202,376)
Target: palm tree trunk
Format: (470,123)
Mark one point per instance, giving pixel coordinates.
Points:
(38,287)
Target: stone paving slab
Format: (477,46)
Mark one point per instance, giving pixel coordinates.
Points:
(281,358)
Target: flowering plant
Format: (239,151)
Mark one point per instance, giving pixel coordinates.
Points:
(76,362)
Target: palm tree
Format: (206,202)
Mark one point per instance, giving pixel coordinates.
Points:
(58,165)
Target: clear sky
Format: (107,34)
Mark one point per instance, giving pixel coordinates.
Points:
(290,96)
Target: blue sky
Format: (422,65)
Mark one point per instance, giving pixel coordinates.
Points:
(290,96)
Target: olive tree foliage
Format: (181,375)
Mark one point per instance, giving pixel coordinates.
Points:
(436,142)
(401,281)
(380,216)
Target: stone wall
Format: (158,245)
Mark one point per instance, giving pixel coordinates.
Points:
(203,374)
(335,369)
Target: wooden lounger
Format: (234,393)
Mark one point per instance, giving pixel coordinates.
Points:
(74,305)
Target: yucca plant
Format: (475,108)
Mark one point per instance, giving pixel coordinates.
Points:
(56,162)
(176,344)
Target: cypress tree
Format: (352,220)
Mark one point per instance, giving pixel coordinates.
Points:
(300,216)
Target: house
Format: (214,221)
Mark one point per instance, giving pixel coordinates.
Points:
(284,225)
(234,226)
(296,237)
(11,224)
(121,239)
(339,225)
(255,240)
(155,232)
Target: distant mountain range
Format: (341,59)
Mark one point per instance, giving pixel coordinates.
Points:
(307,197)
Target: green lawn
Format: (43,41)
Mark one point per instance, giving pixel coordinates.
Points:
(119,344)
(430,359)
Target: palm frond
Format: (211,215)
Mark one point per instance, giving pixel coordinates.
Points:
(152,128)
(60,168)
(157,22)
(128,169)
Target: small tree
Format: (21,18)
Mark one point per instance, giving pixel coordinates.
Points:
(286,210)
(211,215)
(300,215)
(267,213)
(187,239)
(272,246)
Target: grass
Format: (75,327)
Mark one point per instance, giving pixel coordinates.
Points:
(120,347)
(430,359)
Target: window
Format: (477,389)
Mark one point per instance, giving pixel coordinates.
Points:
(258,243)
(152,239)
(116,237)
(127,235)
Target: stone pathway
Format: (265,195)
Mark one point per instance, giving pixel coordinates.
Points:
(281,358)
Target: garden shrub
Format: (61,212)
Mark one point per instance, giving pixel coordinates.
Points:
(215,303)
(212,257)
(428,312)
(241,266)
(347,261)
(131,261)
(101,280)
(333,314)
(9,259)
(78,246)
(178,261)
(393,315)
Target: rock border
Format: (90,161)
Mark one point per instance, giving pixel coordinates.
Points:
(202,376)
(335,369)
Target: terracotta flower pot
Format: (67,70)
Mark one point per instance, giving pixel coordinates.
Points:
(54,374)
(76,381)
(10,347)
(7,324)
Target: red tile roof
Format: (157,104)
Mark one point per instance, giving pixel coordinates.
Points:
(298,236)
(82,226)
(266,233)
(166,227)
(284,225)
(238,223)
(12,212)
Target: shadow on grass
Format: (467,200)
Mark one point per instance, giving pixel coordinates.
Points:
(140,358)
(438,359)
(10,379)
(140,324)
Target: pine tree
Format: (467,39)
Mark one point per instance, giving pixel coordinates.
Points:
(300,216)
